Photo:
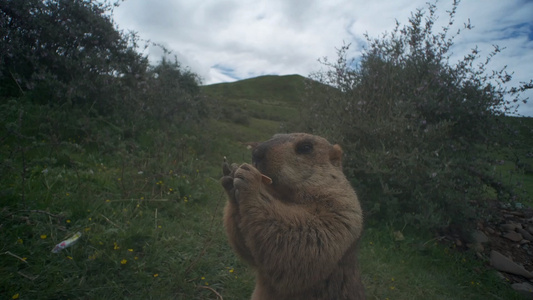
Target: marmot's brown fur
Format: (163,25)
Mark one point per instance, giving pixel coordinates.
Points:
(299,232)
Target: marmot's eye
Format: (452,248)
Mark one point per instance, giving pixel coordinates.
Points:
(304,148)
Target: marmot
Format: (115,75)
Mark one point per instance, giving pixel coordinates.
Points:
(299,228)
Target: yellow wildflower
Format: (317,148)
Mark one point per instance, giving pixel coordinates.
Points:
(124,261)
(43,236)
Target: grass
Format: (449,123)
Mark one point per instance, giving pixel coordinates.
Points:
(150,214)
(420,267)
(142,233)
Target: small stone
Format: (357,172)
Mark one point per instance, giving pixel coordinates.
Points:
(518,213)
(525,234)
(489,230)
(524,288)
(477,247)
(530,229)
(513,236)
(479,237)
(508,227)
(501,263)
(480,225)
(458,243)
(398,236)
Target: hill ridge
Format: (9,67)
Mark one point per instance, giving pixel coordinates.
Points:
(287,89)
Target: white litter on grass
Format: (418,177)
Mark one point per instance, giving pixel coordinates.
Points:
(67,243)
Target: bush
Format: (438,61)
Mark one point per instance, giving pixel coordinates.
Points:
(415,126)
(83,79)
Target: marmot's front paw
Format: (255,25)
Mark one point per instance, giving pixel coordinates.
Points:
(228,174)
(247,178)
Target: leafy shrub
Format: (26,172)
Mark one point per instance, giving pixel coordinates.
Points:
(415,126)
(70,70)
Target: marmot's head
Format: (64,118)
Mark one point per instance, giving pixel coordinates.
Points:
(297,160)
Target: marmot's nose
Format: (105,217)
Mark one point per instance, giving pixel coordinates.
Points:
(258,154)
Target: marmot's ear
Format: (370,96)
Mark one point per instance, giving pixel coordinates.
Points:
(335,155)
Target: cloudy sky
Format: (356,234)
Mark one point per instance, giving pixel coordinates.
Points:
(228,40)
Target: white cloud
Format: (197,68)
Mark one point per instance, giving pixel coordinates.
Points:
(226,40)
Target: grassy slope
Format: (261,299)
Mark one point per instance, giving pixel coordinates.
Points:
(151,214)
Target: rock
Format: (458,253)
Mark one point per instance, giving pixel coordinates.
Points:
(525,234)
(508,227)
(489,230)
(530,229)
(504,264)
(477,247)
(398,236)
(480,226)
(479,237)
(513,236)
(524,288)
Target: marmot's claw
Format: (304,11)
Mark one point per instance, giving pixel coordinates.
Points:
(225,169)
(227,182)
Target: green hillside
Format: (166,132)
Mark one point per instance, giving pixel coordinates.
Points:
(264,105)
(270,88)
